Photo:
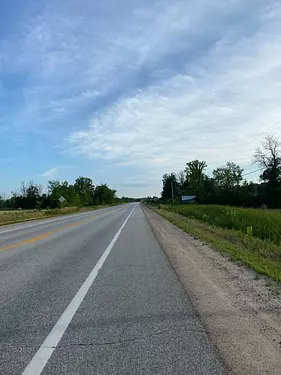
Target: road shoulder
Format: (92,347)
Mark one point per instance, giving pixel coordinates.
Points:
(241,313)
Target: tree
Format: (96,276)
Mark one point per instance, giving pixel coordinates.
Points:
(81,193)
(170,187)
(226,185)
(3,201)
(210,191)
(33,193)
(195,177)
(181,181)
(104,195)
(28,198)
(85,189)
(268,156)
(229,176)
(248,194)
(57,189)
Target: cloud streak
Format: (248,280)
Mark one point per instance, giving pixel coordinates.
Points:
(51,174)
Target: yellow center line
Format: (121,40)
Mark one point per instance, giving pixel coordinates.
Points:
(48,234)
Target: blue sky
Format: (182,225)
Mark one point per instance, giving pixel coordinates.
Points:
(124,91)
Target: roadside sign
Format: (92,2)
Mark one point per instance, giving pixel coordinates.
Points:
(188,198)
(61,199)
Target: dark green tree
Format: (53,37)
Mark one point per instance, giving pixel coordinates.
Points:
(84,187)
(195,178)
(268,156)
(63,189)
(170,187)
(104,195)
(228,177)
(181,178)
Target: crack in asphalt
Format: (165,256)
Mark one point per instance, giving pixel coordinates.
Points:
(127,340)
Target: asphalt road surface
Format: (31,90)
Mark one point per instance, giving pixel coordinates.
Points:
(93,293)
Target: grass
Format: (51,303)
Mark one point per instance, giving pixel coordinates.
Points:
(255,248)
(263,224)
(11,217)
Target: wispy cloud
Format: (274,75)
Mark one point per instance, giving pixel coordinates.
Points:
(51,174)
(210,110)
(137,181)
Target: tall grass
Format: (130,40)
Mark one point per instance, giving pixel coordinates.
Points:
(263,224)
(262,255)
(9,217)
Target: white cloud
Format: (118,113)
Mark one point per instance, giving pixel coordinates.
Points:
(51,174)
(210,115)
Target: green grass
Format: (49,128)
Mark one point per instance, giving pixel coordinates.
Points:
(263,224)
(11,217)
(261,254)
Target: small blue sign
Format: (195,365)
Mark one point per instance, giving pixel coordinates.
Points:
(188,198)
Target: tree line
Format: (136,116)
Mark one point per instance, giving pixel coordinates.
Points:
(227,185)
(82,193)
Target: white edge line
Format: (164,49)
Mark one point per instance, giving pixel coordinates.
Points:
(42,356)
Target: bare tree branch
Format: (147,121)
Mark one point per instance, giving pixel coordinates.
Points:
(269,158)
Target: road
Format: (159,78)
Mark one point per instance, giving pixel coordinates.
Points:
(93,293)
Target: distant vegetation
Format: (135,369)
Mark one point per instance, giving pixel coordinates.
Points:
(227,184)
(83,193)
(250,233)
(16,216)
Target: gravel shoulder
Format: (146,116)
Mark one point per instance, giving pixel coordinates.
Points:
(242,312)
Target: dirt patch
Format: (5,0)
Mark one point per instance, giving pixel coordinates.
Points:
(241,310)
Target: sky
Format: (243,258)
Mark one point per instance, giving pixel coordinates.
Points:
(125,91)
